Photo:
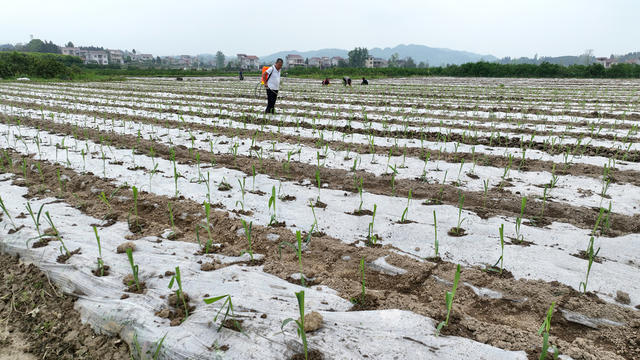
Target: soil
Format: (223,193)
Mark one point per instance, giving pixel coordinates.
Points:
(37,321)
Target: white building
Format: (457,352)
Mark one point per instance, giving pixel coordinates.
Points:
(374,62)
(315,62)
(248,62)
(293,60)
(88,56)
(606,62)
(336,60)
(116,56)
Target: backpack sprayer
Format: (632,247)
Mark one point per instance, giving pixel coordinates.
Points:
(263,80)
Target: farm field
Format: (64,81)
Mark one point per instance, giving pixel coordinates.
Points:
(192,225)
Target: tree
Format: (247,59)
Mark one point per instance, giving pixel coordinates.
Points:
(409,63)
(393,60)
(69,44)
(422,65)
(134,51)
(358,57)
(219,60)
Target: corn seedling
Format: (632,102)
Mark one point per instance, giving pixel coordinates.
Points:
(57,235)
(300,323)
(6,212)
(449,300)
(228,304)
(272,203)
(372,237)
(134,268)
(519,236)
(298,250)
(544,331)
(170,207)
(35,218)
(501,259)
(242,192)
(135,208)
(179,292)
(207,212)
(100,261)
(435,231)
(406,209)
(247,233)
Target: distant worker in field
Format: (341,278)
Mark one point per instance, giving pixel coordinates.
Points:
(241,75)
(346,81)
(271,81)
(364,81)
(325,82)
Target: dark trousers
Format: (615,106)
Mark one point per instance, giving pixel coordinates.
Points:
(272,95)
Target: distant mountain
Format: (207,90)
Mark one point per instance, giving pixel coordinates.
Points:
(432,56)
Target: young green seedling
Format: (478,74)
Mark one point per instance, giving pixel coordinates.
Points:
(435,231)
(247,233)
(57,235)
(372,237)
(406,209)
(272,203)
(179,293)
(134,268)
(544,331)
(449,300)
(229,306)
(501,259)
(100,261)
(300,323)
(298,250)
(6,212)
(35,218)
(520,237)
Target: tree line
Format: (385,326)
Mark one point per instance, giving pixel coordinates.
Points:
(16,64)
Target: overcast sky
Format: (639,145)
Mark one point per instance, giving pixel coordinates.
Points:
(497,27)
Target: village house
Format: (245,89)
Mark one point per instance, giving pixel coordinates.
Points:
(374,62)
(336,60)
(606,62)
(293,60)
(248,62)
(116,56)
(315,62)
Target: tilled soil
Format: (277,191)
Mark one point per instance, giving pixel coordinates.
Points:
(510,322)
(37,321)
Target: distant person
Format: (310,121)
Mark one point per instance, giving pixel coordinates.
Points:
(325,82)
(346,81)
(364,81)
(241,75)
(271,79)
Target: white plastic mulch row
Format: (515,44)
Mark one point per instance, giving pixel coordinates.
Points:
(420,116)
(412,105)
(345,335)
(377,140)
(624,197)
(549,258)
